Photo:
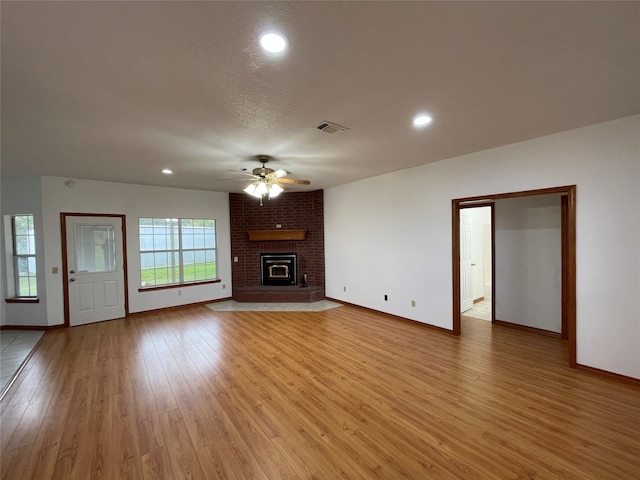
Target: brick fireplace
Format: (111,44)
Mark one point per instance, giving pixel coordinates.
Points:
(292,223)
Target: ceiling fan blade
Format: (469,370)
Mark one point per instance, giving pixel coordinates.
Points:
(293,180)
(235,179)
(242,173)
(274,176)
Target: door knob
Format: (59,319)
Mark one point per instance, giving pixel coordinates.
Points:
(72,279)
(72,272)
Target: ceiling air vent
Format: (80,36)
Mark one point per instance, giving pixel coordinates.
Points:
(330,127)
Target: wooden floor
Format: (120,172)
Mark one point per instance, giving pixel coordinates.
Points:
(345,393)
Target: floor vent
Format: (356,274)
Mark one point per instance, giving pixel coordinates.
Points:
(330,127)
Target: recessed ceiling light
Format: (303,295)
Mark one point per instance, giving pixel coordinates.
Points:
(273,42)
(422,120)
(166,171)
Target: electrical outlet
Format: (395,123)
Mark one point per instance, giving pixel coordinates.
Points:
(54,270)
(235,259)
(413,303)
(224,286)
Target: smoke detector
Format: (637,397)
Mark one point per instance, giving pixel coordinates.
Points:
(330,127)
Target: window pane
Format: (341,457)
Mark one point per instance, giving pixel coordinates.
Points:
(160,241)
(95,248)
(147,269)
(146,242)
(23,224)
(210,263)
(32,265)
(188,266)
(23,266)
(161,259)
(22,245)
(26,277)
(210,238)
(187,233)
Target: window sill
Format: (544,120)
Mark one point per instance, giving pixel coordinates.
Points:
(22,300)
(176,285)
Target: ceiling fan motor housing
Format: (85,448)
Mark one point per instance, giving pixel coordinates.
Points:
(262,171)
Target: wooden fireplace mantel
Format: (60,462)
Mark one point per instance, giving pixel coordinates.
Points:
(275,235)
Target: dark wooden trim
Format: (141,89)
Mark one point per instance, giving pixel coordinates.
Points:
(455,260)
(564,205)
(570,288)
(275,235)
(125,265)
(569,299)
(22,300)
(65,272)
(397,317)
(177,285)
(614,376)
(478,300)
(522,193)
(493,261)
(527,328)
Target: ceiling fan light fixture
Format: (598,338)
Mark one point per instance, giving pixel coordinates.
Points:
(280,173)
(251,189)
(275,190)
(261,188)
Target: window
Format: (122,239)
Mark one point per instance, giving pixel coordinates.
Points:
(175,251)
(24,256)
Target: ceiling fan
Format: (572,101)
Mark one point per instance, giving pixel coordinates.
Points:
(267,181)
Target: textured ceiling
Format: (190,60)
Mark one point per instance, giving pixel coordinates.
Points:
(117,91)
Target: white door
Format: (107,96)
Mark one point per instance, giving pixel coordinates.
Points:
(466,278)
(95,269)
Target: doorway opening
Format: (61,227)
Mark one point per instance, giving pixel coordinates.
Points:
(476,260)
(568,257)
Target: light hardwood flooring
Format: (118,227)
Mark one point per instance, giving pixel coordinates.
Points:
(341,394)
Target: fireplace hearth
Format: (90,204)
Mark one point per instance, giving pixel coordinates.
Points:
(278,268)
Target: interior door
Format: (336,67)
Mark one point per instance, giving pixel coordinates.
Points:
(466,278)
(95,269)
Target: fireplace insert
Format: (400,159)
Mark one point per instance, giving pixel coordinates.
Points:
(278,268)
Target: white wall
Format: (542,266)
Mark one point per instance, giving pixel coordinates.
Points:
(134,201)
(22,195)
(528,239)
(392,234)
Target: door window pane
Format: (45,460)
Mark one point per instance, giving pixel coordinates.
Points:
(95,248)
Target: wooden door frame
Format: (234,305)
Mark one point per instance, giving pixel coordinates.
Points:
(569,257)
(65,272)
